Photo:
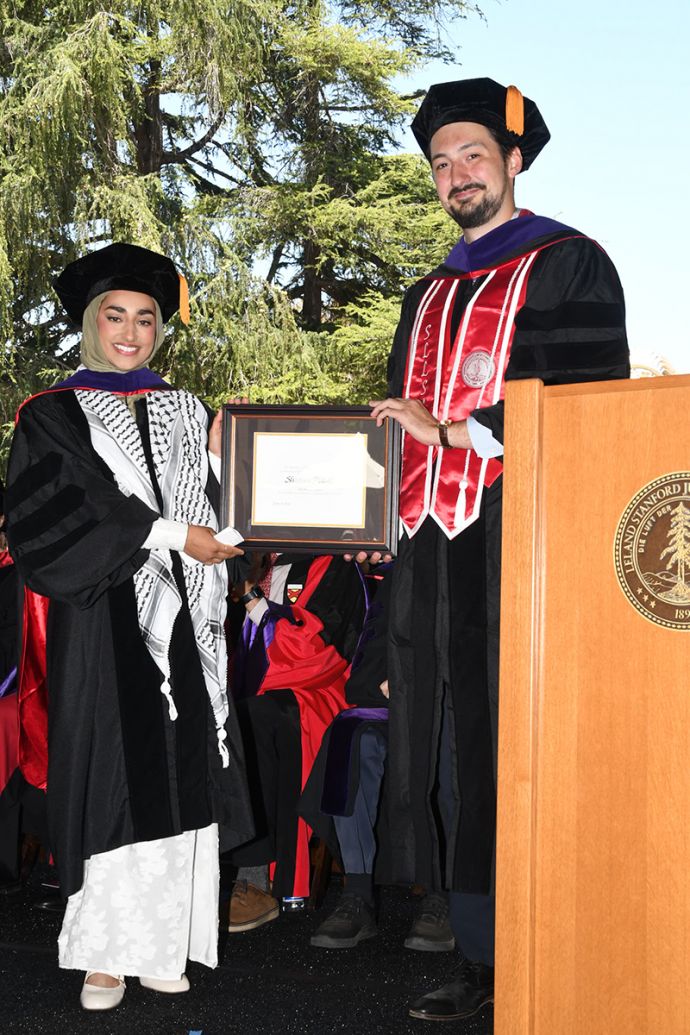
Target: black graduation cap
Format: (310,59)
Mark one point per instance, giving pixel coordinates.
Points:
(122,267)
(488,103)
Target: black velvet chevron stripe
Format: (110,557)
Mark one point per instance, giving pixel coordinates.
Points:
(56,509)
(44,556)
(565,356)
(32,479)
(570,314)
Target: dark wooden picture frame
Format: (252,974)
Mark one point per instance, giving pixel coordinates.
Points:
(378,529)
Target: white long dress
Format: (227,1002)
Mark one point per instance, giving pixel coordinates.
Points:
(144,909)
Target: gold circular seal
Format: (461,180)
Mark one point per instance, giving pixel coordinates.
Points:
(652,551)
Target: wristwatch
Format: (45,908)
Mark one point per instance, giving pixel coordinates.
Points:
(254,593)
(443,426)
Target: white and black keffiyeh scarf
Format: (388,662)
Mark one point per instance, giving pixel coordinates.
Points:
(178,429)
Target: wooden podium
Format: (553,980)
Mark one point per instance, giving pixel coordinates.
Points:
(593,849)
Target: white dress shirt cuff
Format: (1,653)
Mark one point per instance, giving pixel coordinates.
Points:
(483,442)
(166,535)
(258,611)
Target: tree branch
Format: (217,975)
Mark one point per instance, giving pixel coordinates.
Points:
(275,262)
(174,157)
(207,167)
(205,186)
(347,107)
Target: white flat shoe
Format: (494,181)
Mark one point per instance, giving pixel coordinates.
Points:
(94,997)
(171,987)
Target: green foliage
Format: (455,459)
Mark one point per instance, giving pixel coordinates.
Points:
(255,348)
(252,141)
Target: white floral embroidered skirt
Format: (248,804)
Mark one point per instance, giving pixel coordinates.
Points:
(144,909)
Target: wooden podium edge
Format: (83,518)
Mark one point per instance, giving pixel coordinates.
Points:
(519,702)
(639,384)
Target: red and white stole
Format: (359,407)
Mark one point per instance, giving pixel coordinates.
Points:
(452,382)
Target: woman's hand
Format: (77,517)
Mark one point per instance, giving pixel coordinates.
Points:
(202,545)
(385,689)
(215,432)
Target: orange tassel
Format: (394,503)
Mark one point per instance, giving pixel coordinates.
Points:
(184,300)
(515,111)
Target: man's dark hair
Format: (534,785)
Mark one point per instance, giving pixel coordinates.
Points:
(506,141)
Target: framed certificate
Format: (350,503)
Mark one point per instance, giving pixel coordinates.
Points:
(311,479)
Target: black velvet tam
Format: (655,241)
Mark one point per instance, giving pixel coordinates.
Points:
(483,101)
(119,267)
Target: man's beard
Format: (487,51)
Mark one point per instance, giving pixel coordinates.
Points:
(471,214)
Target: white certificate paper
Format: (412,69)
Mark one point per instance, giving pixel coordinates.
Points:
(310,480)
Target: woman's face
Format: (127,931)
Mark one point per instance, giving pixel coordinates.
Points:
(126,325)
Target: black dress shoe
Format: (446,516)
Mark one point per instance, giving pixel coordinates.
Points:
(351,922)
(11,887)
(470,990)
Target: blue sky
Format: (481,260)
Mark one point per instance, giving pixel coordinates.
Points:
(613,84)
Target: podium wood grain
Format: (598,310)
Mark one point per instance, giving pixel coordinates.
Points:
(593,905)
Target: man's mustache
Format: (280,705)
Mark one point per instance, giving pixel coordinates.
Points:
(467,186)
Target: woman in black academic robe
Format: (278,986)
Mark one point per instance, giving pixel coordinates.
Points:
(111,525)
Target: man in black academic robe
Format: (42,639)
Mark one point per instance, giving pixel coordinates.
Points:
(519,297)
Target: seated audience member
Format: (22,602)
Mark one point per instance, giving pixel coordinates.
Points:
(342,797)
(10,812)
(22,807)
(8,610)
(290,665)
(22,812)
(9,804)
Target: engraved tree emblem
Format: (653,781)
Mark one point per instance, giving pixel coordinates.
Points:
(679,549)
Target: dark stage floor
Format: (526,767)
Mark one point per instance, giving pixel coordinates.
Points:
(269,981)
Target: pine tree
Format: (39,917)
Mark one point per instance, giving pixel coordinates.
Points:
(251,142)
(679,549)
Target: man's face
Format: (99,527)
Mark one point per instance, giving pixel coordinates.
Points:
(473,180)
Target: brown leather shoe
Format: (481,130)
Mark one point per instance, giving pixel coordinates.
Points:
(250,907)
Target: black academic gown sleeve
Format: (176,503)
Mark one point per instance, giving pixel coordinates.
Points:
(397,358)
(571,328)
(72,533)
